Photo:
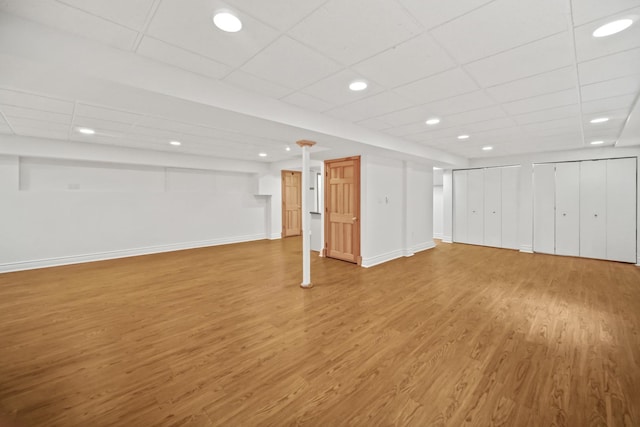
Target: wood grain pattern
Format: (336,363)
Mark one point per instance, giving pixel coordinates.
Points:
(458,335)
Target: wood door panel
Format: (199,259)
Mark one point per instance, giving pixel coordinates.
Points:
(291,203)
(342,209)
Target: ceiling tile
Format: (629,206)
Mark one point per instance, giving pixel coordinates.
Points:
(572,110)
(589,47)
(18,123)
(290,63)
(28,113)
(541,102)
(411,115)
(41,133)
(172,18)
(282,14)
(373,106)
(432,13)
(335,88)
(616,87)
(110,114)
(407,129)
(307,102)
(129,13)
(440,86)
(249,82)
(406,62)
(473,116)
(178,57)
(55,14)
(538,57)
(101,126)
(624,102)
(544,83)
(491,125)
(28,100)
(458,104)
(5,129)
(499,26)
(566,124)
(351,31)
(590,10)
(375,124)
(609,67)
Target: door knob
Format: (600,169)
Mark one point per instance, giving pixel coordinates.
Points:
(595,215)
(564,214)
(354,219)
(494,211)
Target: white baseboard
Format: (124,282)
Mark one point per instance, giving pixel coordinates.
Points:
(379,259)
(437,236)
(424,246)
(447,239)
(101,256)
(528,249)
(275,236)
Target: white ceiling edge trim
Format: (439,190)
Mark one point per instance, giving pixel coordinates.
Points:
(23,146)
(557,156)
(30,40)
(630,134)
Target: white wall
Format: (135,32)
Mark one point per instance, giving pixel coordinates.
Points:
(525,223)
(396,209)
(438,212)
(64,211)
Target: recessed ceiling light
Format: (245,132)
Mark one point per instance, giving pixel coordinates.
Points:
(358,85)
(487,148)
(613,27)
(600,120)
(262,154)
(433,121)
(86,131)
(176,143)
(463,136)
(227,22)
(288,148)
(597,142)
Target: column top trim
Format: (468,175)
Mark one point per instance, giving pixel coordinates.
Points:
(305,143)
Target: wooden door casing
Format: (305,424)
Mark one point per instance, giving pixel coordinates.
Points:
(342,209)
(291,203)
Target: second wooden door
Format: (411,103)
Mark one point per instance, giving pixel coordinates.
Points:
(342,209)
(291,203)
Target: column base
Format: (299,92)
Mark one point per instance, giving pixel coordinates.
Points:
(306,286)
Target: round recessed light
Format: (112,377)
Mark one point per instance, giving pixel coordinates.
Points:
(600,120)
(597,142)
(463,136)
(86,131)
(613,27)
(176,143)
(487,148)
(262,154)
(358,85)
(288,148)
(433,121)
(227,22)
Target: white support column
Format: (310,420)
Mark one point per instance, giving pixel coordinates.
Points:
(306,215)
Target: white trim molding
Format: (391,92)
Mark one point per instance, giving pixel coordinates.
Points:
(424,246)
(447,239)
(528,249)
(437,236)
(123,253)
(379,259)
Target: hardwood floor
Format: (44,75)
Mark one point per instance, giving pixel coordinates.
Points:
(458,335)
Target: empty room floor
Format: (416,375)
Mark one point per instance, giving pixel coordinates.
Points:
(225,336)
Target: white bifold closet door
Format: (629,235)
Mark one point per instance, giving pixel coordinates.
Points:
(568,209)
(460,206)
(493,207)
(593,209)
(621,210)
(510,177)
(475,206)
(544,208)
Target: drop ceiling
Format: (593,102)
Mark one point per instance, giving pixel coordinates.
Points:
(522,76)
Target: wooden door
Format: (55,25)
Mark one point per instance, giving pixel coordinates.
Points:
(544,203)
(493,207)
(342,209)
(621,210)
(568,209)
(460,206)
(291,203)
(593,209)
(475,206)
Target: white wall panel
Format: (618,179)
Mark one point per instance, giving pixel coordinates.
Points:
(593,209)
(543,208)
(568,208)
(510,179)
(493,207)
(621,210)
(460,206)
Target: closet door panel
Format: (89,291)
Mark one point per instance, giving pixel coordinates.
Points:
(544,208)
(510,177)
(593,194)
(493,207)
(621,210)
(475,208)
(460,206)
(568,209)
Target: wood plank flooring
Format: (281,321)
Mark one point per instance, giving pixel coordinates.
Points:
(458,335)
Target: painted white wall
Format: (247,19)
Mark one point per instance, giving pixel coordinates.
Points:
(438,212)
(525,223)
(447,206)
(65,211)
(396,209)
